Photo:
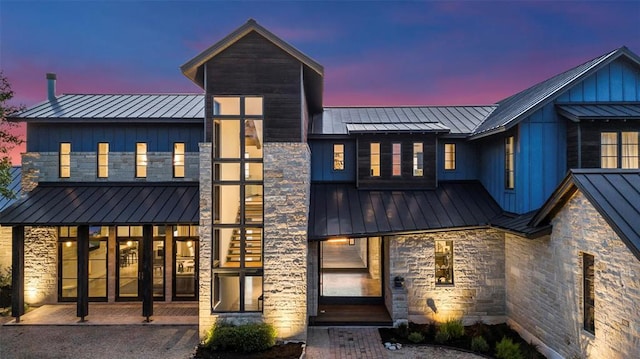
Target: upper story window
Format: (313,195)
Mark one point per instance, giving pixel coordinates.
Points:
(509,163)
(418,159)
(141,159)
(338,156)
(375,159)
(449,156)
(396,159)
(588,297)
(619,150)
(178,159)
(103,160)
(65,159)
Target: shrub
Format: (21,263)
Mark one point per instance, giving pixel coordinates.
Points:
(507,349)
(246,338)
(478,344)
(416,337)
(449,330)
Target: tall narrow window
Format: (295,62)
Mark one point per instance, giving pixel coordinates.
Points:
(375,159)
(589,294)
(396,162)
(629,151)
(418,159)
(509,163)
(65,160)
(609,150)
(103,160)
(449,156)
(178,160)
(237,204)
(444,262)
(338,156)
(141,159)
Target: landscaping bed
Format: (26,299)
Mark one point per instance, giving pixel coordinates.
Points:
(498,341)
(278,351)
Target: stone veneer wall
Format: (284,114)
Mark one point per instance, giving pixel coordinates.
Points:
(5,247)
(287,187)
(121,167)
(287,179)
(478,292)
(544,287)
(40,265)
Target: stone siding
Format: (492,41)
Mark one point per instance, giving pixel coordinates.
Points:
(40,265)
(121,167)
(5,247)
(478,292)
(287,181)
(544,286)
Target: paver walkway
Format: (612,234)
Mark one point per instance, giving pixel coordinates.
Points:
(365,343)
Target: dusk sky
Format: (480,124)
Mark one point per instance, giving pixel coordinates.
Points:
(373,52)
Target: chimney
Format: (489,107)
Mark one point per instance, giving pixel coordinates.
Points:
(51,86)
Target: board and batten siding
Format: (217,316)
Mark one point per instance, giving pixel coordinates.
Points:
(466,160)
(617,81)
(322,161)
(84,137)
(254,66)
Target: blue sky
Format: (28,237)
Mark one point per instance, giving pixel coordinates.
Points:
(373,52)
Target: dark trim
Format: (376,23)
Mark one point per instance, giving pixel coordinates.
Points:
(146,272)
(17,269)
(82,307)
(196,243)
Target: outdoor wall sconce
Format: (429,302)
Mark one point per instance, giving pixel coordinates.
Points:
(398,282)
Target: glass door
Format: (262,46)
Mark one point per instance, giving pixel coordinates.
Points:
(128,284)
(185,269)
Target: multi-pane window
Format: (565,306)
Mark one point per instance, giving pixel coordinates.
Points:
(65,160)
(68,262)
(418,159)
(509,163)
(103,160)
(619,149)
(141,159)
(338,157)
(238,204)
(375,158)
(444,262)
(396,156)
(449,156)
(588,295)
(609,150)
(178,159)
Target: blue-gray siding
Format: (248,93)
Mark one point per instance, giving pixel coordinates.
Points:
(121,138)
(617,81)
(322,161)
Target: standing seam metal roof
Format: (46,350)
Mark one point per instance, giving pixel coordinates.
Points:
(118,107)
(599,111)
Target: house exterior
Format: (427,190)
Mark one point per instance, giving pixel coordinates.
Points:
(260,204)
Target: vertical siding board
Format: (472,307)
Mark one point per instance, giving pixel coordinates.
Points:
(590,89)
(629,83)
(615,81)
(603,84)
(576,93)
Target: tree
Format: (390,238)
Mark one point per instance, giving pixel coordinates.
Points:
(7,139)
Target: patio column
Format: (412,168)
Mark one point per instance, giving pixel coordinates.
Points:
(83,272)
(17,270)
(147,271)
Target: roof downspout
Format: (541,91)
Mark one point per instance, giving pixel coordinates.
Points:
(51,86)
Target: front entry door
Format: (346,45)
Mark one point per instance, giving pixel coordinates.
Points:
(351,271)
(185,264)
(128,269)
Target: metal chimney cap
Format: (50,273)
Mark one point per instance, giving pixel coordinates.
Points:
(51,76)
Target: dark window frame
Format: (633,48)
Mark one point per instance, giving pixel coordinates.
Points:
(377,164)
(619,146)
(444,262)
(340,162)
(396,155)
(100,155)
(146,162)
(510,162)
(588,293)
(175,163)
(452,161)
(67,156)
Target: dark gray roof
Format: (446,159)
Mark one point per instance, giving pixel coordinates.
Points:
(14,186)
(458,119)
(519,224)
(623,111)
(342,210)
(124,107)
(615,194)
(515,108)
(106,204)
(395,127)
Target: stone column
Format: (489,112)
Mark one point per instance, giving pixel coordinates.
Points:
(287,177)
(206,320)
